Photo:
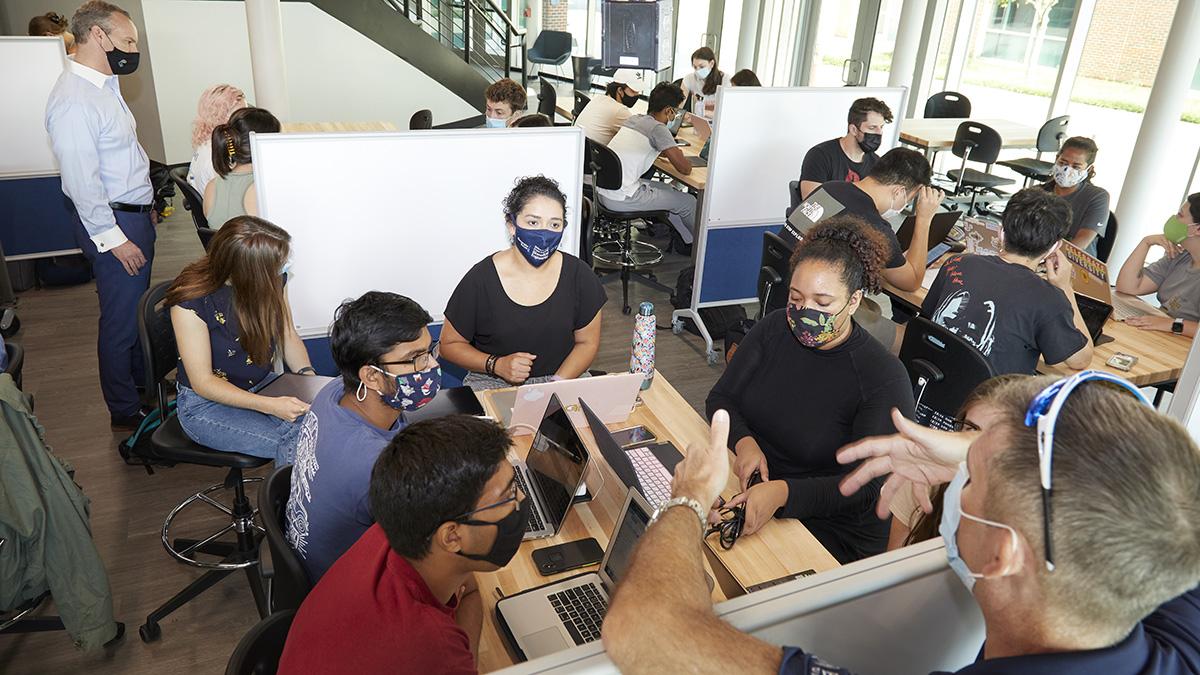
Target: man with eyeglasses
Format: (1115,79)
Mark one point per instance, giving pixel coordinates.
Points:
(1074,518)
(404,599)
(388,365)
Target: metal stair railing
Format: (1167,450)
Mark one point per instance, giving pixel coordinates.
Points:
(477,31)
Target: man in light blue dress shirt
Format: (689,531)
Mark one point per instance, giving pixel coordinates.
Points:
(106,174)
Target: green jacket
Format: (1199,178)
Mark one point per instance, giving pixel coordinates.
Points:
(44,518)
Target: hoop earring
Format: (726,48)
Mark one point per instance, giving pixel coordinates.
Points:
(361,393)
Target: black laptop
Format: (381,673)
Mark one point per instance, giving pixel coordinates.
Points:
(1095,314)
(939,229)
(452,401)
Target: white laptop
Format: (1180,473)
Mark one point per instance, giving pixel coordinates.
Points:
(612,398)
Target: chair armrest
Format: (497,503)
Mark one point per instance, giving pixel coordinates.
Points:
(266,566)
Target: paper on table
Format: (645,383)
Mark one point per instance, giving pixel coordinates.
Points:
(930,275)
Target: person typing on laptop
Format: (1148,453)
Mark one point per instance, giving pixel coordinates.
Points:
(1002,307)
(1175,277)
(388,365)
(403,598)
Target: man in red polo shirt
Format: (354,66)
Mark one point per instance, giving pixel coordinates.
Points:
(403,598)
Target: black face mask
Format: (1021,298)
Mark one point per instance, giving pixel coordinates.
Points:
(510,531)
(121,63)
(629,101)
(870,142)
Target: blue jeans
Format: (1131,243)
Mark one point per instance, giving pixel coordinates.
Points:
(223,427)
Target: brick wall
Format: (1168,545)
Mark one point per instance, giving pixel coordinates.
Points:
(554,15)
(1126,39)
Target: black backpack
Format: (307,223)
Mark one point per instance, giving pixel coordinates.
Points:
(718,320)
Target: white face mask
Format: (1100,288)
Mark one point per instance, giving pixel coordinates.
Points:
(1068,176)
(703,73)
(892,212)
(952,514)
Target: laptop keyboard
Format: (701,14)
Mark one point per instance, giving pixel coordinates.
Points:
(534,524)
(928,417)
(581,610)
(654,477)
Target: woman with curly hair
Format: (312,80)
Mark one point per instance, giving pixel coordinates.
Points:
(217,103)
(808,380)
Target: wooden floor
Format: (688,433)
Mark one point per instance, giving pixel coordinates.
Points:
(128,506)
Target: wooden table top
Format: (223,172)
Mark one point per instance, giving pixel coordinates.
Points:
(938,134)
(1160,355)
(781,548)
(336,127)
(698,178)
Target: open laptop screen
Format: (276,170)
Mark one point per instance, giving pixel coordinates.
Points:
(556,461)
(625,539)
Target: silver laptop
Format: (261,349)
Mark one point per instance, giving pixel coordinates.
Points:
(552,472)
(563,614)
(611,396)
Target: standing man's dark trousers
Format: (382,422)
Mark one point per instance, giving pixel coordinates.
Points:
(120,352)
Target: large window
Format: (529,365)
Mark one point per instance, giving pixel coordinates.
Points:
(1029,32)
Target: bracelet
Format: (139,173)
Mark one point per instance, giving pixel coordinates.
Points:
(694,505)
(306,370)
(490,366)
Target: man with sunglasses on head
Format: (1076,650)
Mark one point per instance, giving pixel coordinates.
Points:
(388,365)
(404,599)
(1107,583)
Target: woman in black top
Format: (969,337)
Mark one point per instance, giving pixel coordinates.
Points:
(529,313)
(808,380)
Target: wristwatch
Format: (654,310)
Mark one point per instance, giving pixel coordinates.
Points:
(694,505)
(1177,326)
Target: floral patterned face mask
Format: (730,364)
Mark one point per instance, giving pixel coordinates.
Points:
(812,327)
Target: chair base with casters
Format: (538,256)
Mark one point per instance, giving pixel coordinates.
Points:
(622,251)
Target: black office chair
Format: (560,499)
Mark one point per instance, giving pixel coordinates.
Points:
(16,361)
(581,101)
(547,99)
(773,274)
(287,582)
(947,104)
(551,48)
(613,231)
(975,142)
(1050,138)
(171,444)
(422,119)
(794,197)
(944,369)
(259,650)
(1104,245)
(193,201)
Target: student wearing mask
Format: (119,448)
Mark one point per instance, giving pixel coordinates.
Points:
(487,328)
(53,24)
(231,316)
(806,381)
(1175,277)
(388,365)
(603,116)
(900,176)
(216,104)
(1074,170)
(852,156)
(702,83)
(639,142)
(505,99)
(232,192)
(404,598)
(1121,597)
(1002,306)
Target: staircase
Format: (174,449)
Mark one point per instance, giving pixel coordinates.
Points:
(463,44)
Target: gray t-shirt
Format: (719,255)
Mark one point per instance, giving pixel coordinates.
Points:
(638,143)
(1089,210)
(1178,286)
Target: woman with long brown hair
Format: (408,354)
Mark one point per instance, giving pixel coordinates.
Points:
(701,84)
(231,316)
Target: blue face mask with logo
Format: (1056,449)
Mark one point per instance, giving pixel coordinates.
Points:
(537,245)
(413,390)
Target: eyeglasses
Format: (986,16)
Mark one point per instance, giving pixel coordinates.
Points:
(1043,412)
(422,361)
(514,494)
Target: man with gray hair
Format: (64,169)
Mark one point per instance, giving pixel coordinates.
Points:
(106,174)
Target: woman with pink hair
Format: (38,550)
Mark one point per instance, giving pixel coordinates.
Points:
(216,104)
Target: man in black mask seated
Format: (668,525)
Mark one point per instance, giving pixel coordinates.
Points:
(847,158)
(404,599)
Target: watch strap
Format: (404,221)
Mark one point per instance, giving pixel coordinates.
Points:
(694,505)
(1177,326)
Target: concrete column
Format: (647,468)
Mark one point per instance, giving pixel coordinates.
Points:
(265,26)
(1148,194)
(747,53)
(908,44)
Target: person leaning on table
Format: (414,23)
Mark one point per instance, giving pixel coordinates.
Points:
(1175,277)
(1121,597)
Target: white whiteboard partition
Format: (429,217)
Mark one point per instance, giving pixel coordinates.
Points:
(406,212)
(760,137)
(31,68)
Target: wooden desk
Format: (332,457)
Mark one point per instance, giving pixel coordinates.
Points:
(938,134)
(782,547)
(1160,355)
(698,178)
(336,127)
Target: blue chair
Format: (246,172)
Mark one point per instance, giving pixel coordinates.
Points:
(551,48)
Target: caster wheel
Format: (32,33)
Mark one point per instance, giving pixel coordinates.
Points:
(627,310)
(676,326)
(150,632)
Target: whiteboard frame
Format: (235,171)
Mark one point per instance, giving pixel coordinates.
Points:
(456,140)
(45,43)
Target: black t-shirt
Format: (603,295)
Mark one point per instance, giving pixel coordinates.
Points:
(802,405)
(484,314)
(1006,311)
(827,161)
(855,202)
